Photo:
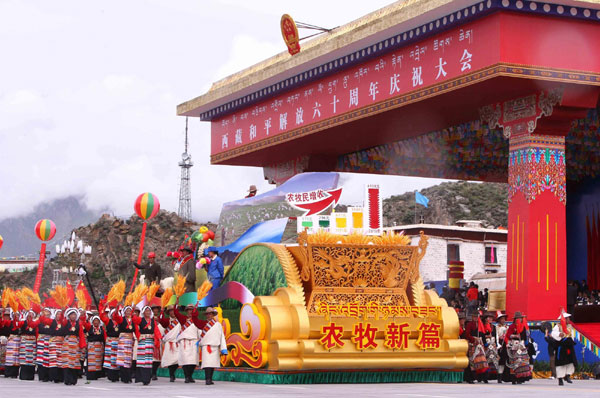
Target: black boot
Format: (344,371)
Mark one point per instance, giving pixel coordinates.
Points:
(560,382)
(172,370)
(208,375)
(568,379)
(155,366)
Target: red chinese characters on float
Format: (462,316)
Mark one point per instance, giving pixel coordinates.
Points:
(332,336)
(429,335)
(364,336)
(396,336)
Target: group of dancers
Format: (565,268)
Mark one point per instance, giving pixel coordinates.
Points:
(505,352)
(121,343)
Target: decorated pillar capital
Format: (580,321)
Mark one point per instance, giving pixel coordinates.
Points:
(519,116)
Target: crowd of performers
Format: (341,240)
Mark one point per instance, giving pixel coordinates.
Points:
(123,344)
(503,352)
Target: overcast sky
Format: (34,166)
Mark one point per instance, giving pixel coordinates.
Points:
(88,92)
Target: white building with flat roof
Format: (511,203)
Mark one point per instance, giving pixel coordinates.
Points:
(482,250)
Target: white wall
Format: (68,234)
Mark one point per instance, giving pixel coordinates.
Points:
(434,265)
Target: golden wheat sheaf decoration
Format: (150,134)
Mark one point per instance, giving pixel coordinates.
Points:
(417,292)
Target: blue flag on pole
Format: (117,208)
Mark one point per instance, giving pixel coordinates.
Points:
(421,199)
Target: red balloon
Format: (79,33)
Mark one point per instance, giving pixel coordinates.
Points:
(211,235)
(205,237)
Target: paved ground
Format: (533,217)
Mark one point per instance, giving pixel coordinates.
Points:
(164,389)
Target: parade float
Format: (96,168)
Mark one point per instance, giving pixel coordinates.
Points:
(345,303)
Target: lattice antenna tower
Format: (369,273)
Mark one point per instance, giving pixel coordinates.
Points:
(185,194)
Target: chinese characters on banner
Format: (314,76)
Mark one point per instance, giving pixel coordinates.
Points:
(442,57)
(395,336)
(396,333)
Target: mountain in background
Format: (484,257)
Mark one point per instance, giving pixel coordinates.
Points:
(450,202)
(67,213)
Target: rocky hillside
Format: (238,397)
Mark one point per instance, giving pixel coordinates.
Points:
(450,202)
(115,243)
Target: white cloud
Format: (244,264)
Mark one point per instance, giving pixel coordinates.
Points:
(88,96)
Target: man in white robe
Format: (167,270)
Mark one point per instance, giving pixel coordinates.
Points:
(170,346)
(188,341)
(213,344)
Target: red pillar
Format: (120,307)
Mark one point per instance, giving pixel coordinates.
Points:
(536,261)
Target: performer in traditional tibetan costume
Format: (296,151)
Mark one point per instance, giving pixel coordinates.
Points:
(501,329)
(55,347)
(148,337)
(74,342)
(477,359)
(212,341)
(188,341)
(156,358)
(170,351)
(96,336)
(27,348)
(13,344)
(517,365)
(4,333)
(491,347)
(125,346)
(563,344)
(111,369)
(43,345)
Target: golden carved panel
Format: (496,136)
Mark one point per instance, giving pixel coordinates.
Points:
(360,267)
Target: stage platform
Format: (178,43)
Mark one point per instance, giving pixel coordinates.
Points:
(316,376)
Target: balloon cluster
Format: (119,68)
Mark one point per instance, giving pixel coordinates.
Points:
(202,262)
(204,235)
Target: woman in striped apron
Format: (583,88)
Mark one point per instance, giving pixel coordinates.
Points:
(43,345)
(125,345)
(111,345)
(5,326)
(170,351)
(74,342)
(55,357)
(156,310)
(148,337)
(12,348)
(27,349)
(96,336)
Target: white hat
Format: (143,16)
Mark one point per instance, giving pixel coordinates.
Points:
(147,307)
(71,311)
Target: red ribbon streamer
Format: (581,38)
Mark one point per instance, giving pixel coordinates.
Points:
(140,254)
(40,270)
